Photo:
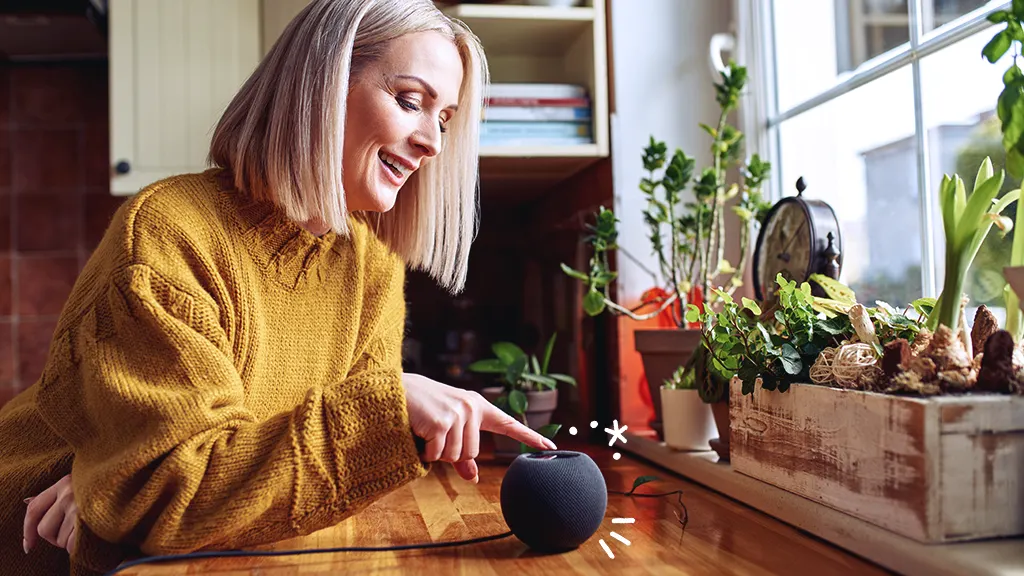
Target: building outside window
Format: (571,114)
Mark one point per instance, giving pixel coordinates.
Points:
(871,102)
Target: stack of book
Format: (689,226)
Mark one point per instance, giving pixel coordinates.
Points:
(536,115)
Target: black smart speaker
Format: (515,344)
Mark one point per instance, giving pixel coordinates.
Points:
(553,500)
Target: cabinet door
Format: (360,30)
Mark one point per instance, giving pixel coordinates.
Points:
(174,67)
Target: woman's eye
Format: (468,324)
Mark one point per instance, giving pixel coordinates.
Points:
(407,104)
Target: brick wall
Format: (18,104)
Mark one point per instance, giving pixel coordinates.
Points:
(54,201)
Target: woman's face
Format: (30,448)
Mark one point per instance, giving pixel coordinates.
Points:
(398,108)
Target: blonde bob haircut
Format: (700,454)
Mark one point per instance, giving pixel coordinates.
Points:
(282,135)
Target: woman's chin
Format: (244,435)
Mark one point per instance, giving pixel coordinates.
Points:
(381,202)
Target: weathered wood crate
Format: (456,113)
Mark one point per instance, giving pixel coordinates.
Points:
(935,470)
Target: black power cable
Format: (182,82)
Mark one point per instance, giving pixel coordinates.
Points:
(236,553)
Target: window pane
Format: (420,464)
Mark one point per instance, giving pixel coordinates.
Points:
(963,129)
(818,42)
(858,153)
(938,13)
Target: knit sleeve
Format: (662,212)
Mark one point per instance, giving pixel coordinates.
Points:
(169,459)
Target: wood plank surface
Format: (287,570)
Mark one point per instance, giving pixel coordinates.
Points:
(868,455)
(935,469)
(723,536)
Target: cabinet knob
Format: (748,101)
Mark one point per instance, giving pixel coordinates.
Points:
(122,167)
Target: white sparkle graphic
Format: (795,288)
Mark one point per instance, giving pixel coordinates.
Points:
(593,424)
(616,432)
(623,520)
(572,430)
(606,549)
(616,456)
(620,538)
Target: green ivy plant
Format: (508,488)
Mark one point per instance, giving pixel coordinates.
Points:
(780,345)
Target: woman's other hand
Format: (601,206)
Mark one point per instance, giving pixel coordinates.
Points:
(52,515)
(450,420)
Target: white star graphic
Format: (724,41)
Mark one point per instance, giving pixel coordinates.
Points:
(616,433)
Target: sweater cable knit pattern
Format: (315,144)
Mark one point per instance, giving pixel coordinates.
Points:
(219,378)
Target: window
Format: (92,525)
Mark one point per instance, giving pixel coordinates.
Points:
(871,102)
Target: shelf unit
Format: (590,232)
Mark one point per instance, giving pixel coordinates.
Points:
(550,45)
(888,549)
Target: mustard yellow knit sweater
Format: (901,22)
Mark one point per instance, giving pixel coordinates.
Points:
(219,378)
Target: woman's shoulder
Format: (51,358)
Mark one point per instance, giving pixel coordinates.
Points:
(181,211)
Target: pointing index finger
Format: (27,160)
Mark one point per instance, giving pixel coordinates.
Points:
(494,420)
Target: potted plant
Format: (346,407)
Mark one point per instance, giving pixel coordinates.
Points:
(859,384)
(687,235)
(527,391)
(688,423)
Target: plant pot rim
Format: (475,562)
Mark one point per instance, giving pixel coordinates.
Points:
(502,388)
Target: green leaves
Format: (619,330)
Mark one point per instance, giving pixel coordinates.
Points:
(679,171)
(790,360)
(1010,105)
(547,353)
(997,46)
(749,304)
(489,366)
(574,273)
(548,431)
(643,480)
(519,372)
(517,402)
(654,155)
(508,352)
(966,222)
(593,303)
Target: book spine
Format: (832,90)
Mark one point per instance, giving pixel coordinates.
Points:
(500,129)
(527,113)
(537,90)
(570,102)
(576,141)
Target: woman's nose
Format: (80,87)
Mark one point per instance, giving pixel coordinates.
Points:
(428,139)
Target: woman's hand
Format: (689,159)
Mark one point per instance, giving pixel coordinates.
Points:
(53,515)
(450,420)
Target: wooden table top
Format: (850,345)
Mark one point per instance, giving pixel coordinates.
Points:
(723,536)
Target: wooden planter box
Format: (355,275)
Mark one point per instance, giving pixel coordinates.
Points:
(935,470)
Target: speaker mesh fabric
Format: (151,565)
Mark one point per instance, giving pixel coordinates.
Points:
(553,503)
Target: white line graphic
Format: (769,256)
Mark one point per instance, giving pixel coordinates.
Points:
(623,520)
(619,538)
(606,549)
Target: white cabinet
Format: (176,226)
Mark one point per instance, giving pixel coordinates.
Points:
(174,67)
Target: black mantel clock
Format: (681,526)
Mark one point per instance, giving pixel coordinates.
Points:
(799,237)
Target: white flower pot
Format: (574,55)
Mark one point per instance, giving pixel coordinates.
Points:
(688,422)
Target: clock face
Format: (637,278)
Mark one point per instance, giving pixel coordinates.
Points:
(786,248)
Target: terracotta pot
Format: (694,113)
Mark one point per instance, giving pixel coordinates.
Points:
(688,422)
(721,444)
(539,407)
(663,351)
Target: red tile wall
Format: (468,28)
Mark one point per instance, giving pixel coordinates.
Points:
(54,201)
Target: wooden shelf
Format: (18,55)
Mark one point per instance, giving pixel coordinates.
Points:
(888,549)
(502,28)
(573,151)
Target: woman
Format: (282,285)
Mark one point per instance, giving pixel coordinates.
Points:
(227,369)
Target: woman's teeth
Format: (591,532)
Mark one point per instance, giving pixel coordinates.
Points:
(394,164)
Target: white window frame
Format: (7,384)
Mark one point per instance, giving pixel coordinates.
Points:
(762,116)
